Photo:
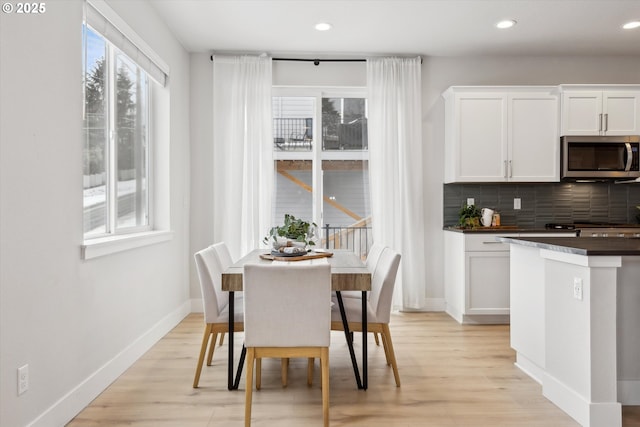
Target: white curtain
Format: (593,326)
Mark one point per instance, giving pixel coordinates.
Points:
(242,167)
(395,168)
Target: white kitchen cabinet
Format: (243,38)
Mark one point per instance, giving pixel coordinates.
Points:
(501,134)
(477,276)
(598,110)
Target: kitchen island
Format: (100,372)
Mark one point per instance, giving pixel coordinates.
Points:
(575,317)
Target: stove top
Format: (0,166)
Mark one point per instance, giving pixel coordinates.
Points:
(587,224)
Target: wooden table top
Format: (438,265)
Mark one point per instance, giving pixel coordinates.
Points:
(348,272)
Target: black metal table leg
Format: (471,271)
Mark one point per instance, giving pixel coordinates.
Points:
(365,373)
(230,383)
(347,334)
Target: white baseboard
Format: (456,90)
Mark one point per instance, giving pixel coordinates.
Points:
(588,414)
(534,371)
(77,399)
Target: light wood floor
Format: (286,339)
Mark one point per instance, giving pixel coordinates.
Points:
(452,375)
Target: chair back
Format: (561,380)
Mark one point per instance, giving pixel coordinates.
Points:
(383,281)
(214,300)
(288,304)
(373,256)
(224,256)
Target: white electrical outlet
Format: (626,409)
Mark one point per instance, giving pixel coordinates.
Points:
(471,201)
(23,379)
(517,204)
(577,288)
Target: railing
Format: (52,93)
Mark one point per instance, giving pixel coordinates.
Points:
(355,238)
(291,134)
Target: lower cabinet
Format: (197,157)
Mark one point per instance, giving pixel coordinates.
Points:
(477,276)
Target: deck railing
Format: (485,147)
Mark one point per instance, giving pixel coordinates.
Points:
(355,238)
(293,134)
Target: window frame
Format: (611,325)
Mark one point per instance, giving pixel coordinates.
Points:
(111,227)
(127,41)
(317,154)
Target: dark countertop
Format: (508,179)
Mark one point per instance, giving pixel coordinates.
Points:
(603,246)
(505,229)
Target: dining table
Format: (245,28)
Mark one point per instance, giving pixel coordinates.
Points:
(348,273)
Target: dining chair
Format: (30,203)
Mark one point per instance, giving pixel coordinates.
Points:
(371,261)
(287,313)
(226,261)
(378,306)
(215,304)
(373,256)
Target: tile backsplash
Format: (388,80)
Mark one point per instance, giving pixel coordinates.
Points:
(547,202)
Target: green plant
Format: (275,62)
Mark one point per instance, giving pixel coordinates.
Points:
(294,229)
(469,216)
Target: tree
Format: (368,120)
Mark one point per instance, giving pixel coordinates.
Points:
(95,120)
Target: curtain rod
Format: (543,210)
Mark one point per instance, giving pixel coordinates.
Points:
(315,61)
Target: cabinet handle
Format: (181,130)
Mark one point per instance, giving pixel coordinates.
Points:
(510,169)
(600,125)
(606,122)
(491,243)
(505,168)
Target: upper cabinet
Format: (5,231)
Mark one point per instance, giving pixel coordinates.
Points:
(501,134)
(600,110)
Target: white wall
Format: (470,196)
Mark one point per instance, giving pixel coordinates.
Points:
(78,324)
(438,74)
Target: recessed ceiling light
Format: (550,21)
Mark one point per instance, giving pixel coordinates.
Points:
(631,25)
(323,26)
(507,23)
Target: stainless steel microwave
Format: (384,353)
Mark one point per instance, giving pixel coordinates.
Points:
(600,157)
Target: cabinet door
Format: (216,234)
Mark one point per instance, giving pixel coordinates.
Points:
(480,137)
(621,112)
(581,113)
(534,141)
(487,282)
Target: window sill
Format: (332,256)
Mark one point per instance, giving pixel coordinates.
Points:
(113,244)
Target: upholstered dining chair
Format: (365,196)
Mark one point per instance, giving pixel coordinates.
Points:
(287,313)
(215,304)
(373,256)
(378,306)
(226,261)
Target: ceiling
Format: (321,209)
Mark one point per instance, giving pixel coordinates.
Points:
(404,27)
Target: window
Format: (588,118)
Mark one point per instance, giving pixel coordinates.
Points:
(116,137)
(324,180)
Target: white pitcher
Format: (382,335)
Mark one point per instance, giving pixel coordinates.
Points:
(487,216)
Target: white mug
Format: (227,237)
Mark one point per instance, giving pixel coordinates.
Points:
(487,216)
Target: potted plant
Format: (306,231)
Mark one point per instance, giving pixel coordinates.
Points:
(469,216)
(293,232)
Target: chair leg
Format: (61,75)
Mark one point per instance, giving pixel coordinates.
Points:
(203,349)
(310,371)
(385,346)
(375,337)
(386,337)
(324,364)
(248,389)
(212,347)
(284,368)
(258,373)
(221,338)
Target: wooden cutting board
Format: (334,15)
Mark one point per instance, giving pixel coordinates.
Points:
(311,255)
